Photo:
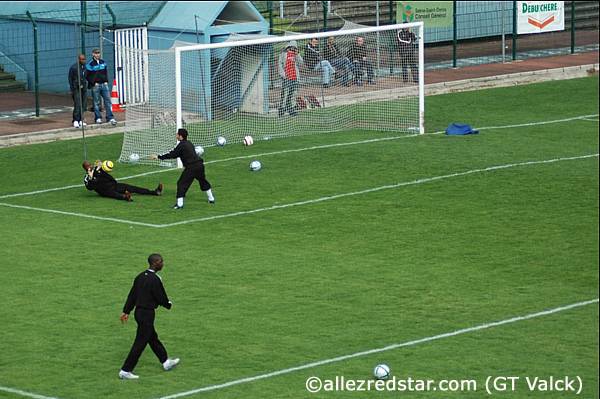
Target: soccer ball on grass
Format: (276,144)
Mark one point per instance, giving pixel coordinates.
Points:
(381,371)
(255,166)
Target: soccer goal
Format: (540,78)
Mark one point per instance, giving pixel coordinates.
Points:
(363,79)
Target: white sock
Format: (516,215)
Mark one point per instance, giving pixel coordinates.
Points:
(180,201)
(209,194)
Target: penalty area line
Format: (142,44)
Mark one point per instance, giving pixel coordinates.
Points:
(81,215)
(383,349)
(25,393)
(153,172)
(374,189)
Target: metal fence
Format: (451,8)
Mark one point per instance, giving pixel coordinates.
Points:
(36,49)
(481,32)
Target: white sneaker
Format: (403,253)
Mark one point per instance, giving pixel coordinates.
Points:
(113,121)
(170,363)
(127,375)
(82,124)
(98,120)
(75,124)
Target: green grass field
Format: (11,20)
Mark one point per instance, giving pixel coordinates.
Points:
(326,252)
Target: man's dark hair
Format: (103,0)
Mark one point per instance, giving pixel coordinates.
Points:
(183,133)
(153,258)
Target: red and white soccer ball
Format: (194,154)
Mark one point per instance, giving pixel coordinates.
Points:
(248,140)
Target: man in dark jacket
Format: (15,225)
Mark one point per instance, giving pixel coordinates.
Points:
(78,87)
(146,294)
(97,78)
(314,60)
(193,168)
(337,60)
(357,53)
(409,49)
(99,179)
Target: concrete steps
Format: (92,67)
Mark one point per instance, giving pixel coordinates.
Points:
(8,82)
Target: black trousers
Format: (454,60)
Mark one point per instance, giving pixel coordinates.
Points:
(146,334)
(79,104)
(121,188)
(408,60)
(118,191)
(191,172)
(359,67)
(287,103)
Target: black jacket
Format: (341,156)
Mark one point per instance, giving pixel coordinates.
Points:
(356,52)
(100,181)
(312,56)
(407,40)
(73,81)
(331,52)
(184,150)
(147,292)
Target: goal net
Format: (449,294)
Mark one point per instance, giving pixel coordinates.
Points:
(362,79)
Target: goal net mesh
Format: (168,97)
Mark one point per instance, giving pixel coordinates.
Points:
(287,86)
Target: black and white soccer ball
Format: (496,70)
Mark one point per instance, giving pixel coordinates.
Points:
(255,166)
(381,371)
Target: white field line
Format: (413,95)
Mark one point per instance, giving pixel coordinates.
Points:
(25,393)
(374,189)
(306,202)
(581,117)
(346,357)
(81,215)
(383,349)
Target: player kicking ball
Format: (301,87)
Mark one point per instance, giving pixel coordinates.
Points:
(194,168)
(99,179)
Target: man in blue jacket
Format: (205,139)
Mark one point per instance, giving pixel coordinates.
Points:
(97,77)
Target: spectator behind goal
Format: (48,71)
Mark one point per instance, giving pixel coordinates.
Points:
(288,67)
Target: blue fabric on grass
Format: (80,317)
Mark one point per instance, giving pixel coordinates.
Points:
(459,129)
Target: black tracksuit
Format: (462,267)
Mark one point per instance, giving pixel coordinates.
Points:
(193,164)
(106,185)
(146,294)
(409,50)
(78,87)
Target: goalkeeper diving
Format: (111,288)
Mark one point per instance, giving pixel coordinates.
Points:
(98,178)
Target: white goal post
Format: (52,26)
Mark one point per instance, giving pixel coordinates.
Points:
(368,78)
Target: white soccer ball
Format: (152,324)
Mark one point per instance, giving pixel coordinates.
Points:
(221,141)
(199,150)
(248,140)
(381,371)
(134,157)
(255,166)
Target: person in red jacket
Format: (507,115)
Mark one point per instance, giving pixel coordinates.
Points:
(288,67)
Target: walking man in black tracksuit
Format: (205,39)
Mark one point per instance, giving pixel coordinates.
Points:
(99,179)
(194,168)
(146,295)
